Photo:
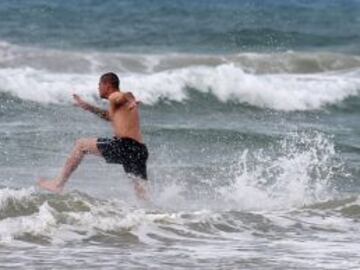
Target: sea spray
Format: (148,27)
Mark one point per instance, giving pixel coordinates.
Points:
(299,170)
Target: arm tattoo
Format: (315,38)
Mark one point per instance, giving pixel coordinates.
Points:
(99,112)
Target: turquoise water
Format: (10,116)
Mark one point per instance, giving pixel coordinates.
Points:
(183,26)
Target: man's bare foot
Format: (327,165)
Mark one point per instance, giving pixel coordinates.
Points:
(52,186)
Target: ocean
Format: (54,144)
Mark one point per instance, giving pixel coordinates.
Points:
(250,111)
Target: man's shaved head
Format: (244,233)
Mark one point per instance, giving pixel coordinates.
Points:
(111,78)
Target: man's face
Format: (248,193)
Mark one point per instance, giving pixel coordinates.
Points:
(102,89)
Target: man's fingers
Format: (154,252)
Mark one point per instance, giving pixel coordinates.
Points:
(77,98)
(132,104)
(78,101)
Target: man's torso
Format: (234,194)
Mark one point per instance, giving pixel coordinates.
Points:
(126,120)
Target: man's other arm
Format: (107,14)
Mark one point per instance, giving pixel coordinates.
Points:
(118,99)
(104,114)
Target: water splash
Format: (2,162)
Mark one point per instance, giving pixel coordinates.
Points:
(298,171)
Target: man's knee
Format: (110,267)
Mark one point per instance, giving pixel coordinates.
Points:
(83,145)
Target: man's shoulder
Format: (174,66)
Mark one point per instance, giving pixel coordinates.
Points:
(120,98)
(117,98)
(122,94)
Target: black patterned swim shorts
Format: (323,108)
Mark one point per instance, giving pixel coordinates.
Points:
(126,151)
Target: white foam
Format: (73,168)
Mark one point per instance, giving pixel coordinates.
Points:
(230,83)
(227,82)
(39,86)
(264,80)
(40,223)
(8,194)
(300,176)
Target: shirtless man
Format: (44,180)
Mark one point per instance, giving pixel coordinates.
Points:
(126,147)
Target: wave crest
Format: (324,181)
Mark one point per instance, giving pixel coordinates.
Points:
(288,81)
(287,92)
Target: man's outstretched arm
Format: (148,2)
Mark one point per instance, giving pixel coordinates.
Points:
(104,114)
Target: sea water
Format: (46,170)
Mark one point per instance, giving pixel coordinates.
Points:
(250,111)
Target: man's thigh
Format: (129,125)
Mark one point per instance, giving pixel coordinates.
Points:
(89,146)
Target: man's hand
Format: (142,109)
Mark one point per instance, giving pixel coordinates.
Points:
(132,104)
(80,103)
